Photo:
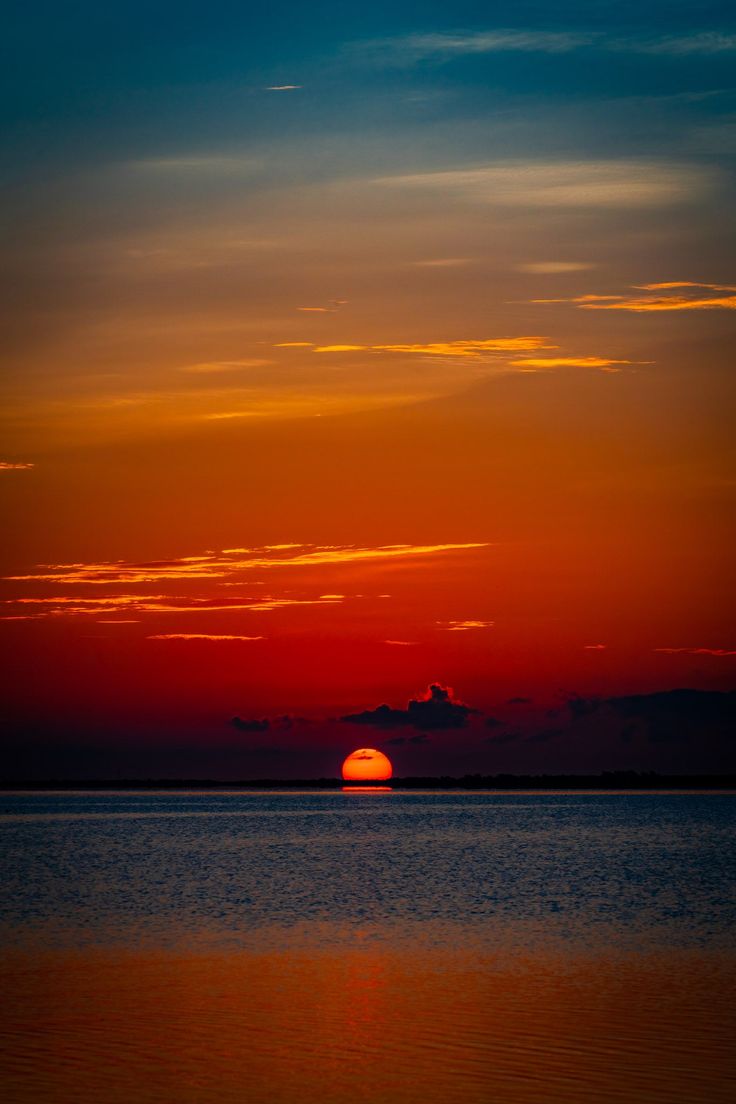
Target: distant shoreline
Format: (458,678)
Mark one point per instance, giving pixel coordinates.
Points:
(608,780)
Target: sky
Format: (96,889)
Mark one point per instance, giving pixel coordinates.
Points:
(367,381)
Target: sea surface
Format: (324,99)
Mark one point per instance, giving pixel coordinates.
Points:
(367,946)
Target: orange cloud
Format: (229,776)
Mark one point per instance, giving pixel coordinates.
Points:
(464,626)
(461,348)
(201,636)
(604,363)
(8,465)
(645,303)
(339,348)
(672,303)
(720,652)
(221,565)
(158,604)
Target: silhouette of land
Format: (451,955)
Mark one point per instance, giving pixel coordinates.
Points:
(607,780)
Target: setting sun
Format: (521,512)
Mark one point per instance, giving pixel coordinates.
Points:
(367,765)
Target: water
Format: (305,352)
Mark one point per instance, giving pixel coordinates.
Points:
(331,946)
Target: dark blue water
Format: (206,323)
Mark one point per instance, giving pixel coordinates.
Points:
(239,867)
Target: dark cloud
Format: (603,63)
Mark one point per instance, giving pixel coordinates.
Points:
(666,716)
(436,710)
(502,738)
(544,735)
(251,726)
(264,724)
(397,741)
(493,722)
(519,701)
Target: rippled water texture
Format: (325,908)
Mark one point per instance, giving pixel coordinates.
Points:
(367,947)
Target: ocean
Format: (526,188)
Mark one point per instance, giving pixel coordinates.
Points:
(367,946)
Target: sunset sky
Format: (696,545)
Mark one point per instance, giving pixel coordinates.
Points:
(368,356)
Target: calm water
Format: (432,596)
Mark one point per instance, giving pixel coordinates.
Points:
(372,947)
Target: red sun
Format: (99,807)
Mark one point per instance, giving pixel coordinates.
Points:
(367,765)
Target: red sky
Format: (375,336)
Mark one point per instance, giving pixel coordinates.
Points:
(443,347)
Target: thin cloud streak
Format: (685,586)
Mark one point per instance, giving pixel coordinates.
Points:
(468,347)
(217,637)
(223,564)
(625,183)
(416,48)
(465,626)
(641,304)
(719,652)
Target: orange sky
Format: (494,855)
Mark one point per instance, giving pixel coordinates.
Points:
(453,373)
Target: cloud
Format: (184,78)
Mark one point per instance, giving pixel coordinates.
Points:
(214,366)
(201,636)
(437,709)
(441,47)
(228,563)
(402,643)
(553,268)
(519,701)
(463,626)
(720,652)
(605,364)
(463,347)
(63,606)
(666,716)
(594,647)
(397,741)
(574,184)
(334,305)
(251,726)
(671,303)
(704,43)
(411,49)
(339,348)
(282,87)
(642,304)
(9,465)
(443,262)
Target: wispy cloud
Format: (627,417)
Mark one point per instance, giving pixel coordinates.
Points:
(281,87)
(719,652)
(694,298)
(58,606)
(553,268)
(211,367)
(9,465)
(232,568)
(604,364)
(443,262)
(464,347)
(464,626)
(700,43)
(202,636)
(414,48)
(332,307)
(625,183)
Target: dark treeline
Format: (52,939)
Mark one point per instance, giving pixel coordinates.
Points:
(607,780)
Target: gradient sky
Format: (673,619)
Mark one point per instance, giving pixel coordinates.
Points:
(355,352)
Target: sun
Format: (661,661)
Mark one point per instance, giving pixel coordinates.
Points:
(367,765)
